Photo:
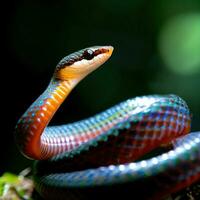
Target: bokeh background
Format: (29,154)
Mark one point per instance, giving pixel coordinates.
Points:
(157,50)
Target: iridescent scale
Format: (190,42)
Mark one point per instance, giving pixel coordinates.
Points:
(104,154)
(114,139)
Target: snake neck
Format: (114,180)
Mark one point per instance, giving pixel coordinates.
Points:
(33,122)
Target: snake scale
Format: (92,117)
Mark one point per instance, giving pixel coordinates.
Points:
(104,155)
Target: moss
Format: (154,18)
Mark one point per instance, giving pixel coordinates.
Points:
(15,187)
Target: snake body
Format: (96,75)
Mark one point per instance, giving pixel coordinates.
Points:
(103,155)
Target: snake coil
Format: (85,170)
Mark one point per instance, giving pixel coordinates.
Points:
(104,154)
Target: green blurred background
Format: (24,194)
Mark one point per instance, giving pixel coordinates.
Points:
(157,50)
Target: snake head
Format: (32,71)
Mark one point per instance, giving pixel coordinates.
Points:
(79,64)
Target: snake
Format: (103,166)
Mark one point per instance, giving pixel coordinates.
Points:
(140,147)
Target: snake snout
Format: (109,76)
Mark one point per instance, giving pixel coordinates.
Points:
(79,64)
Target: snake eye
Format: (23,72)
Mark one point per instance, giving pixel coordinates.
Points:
(88,54)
